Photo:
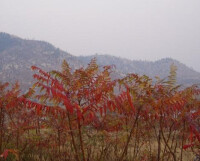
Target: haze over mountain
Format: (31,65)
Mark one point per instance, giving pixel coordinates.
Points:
(18,55)
(137,29)
(160,68)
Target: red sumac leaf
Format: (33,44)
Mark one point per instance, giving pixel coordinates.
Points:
(187,146)
(5,154)
(79,114)
(130,101)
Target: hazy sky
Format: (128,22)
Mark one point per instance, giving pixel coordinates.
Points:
(135,29)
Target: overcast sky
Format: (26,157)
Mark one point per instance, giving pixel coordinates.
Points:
(134,29)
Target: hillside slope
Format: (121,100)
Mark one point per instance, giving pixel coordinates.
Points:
(18,55)
(161,68)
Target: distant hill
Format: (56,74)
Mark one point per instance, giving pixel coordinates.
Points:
(185,75)
(18,55)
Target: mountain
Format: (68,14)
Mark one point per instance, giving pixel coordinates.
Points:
(18,55)
(161,68)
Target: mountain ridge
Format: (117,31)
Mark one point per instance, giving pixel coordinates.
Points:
(159,68)
(17,55)
(20,54)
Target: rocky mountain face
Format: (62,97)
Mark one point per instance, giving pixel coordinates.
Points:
(18,55)
(161,68)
